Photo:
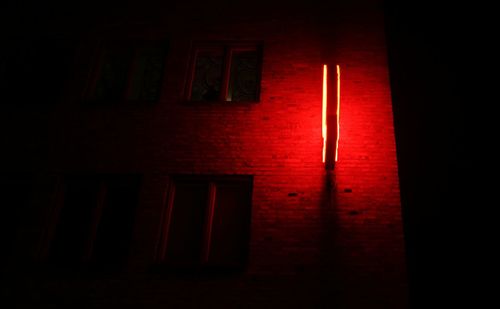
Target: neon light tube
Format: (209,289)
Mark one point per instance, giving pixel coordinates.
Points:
(338,115)
(323,119)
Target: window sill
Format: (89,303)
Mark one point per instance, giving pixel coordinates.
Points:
(197,271)
(118,103)
(219,102)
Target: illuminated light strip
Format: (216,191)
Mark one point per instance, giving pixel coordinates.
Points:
(338,115)
(323,119)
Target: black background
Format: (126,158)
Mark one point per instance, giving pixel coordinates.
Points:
(441,76)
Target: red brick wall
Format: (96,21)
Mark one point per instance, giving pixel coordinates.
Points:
(310,244)
(367,195)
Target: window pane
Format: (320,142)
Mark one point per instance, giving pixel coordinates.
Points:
(112,76)
(73,231)
(185,236)
(231,224)
(244,79)
(148,73)
(207,78)
(115,225)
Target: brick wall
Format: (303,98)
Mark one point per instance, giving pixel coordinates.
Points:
(311,244)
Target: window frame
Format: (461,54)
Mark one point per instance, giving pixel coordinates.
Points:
(132,46)
(228,49)
(88,257)
(167,216)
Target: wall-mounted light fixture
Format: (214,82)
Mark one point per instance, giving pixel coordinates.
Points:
(330,117)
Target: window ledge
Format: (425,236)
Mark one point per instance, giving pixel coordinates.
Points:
(219,102)
(118,103)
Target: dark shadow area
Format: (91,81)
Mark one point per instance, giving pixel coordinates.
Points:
(330,274)
(438,72)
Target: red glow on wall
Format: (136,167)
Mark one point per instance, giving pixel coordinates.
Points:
(338,115)
(323,118)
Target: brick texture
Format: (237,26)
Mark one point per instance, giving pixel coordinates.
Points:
(311,244)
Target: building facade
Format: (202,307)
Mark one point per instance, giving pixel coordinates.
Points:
(181,162)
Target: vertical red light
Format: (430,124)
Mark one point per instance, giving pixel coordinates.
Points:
(331,117)
(338,115)
(323,118)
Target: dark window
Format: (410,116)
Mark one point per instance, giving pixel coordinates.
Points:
(96,220)
(73,233)
(207,78)
(226,73)
(111,80)
(189,209)
(244,77)
(116,221)
(128,71)
(207,222)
